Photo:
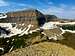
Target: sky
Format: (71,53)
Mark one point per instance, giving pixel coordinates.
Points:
(60,8)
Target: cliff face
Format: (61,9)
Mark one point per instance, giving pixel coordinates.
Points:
(26,17)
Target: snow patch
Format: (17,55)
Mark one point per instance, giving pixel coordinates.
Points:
(63,31)
(26,30)
(2,49)
(8,26)
(15,31)
(59,23)
(3,16)
(48,25)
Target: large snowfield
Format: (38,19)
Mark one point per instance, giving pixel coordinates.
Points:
(26,30)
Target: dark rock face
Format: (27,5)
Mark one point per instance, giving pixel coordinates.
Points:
(51,18)
(30,16)
(4,31)
(41,20)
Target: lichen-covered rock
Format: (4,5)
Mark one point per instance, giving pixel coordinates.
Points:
(54,34)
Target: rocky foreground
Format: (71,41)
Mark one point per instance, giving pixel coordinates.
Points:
(44,49)
(64,47)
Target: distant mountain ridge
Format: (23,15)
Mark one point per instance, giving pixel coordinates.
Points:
(31,16)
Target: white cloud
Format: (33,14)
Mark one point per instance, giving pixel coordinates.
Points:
(63,11)
(63,5)
(3,3)
(73,7)
(50,3)
(25,5)
(22,4)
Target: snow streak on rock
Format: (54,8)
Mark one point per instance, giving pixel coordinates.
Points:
(26,30)
(14,30)
(9,27)
(3,16)
(2,49)
(63,31)
(66,23)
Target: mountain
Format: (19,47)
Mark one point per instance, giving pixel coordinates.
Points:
(25,17)
(51,18)
(28,28)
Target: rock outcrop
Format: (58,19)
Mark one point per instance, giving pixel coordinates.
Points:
(26,17)
(54,34)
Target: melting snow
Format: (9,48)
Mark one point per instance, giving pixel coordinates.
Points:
(63,31)
(2,49)
(26,30)
(48,25)
(52,25)
(67,23)
(58,23)
(3,16)
(15,30)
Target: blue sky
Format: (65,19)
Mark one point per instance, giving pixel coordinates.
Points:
(60,8)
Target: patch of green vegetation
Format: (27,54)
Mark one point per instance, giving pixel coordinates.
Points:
(19,43)
(68,27)
(69,40)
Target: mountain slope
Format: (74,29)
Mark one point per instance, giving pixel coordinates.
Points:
(44,49)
